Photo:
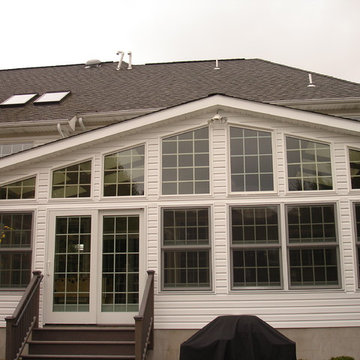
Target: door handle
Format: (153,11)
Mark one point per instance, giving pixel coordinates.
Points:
(48,267)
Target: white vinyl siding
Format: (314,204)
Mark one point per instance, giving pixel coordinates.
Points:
(189,309)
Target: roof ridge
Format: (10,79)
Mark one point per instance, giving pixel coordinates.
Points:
(55,66)
(193,61)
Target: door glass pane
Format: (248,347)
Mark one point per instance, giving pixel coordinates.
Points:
(120,264)
(72,263)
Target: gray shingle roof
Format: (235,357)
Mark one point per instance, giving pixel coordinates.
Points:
(160,86)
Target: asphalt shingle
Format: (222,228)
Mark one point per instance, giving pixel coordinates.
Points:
(160,85)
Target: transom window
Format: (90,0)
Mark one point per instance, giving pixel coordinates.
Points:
(73,181)
(255,247)
(309,165)
(23,189)
(251,160)
(186,248)
(124,172)
(355,168)
(312,245)
(15,249)
(8,149)
(185,163)
(357,238)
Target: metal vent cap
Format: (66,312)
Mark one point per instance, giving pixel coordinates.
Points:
(92,63)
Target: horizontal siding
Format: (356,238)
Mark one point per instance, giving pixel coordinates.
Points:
(8,303)
(191,310)
(280,310)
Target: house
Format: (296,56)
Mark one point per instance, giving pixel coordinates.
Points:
(237,182)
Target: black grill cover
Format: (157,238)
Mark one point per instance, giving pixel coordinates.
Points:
(238,338)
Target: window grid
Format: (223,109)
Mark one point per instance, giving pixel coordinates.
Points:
(255,247)
(24,189)
(120,273)
(251,160)
(124,172)
(15,249)
(309,165)
(256,267)
(185,163)
(354,156)
(186,248)
(312,246)
(72,264)
(73,181)
(8,149)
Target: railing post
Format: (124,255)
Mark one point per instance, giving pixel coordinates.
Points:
(37,273)
(10,338)
(151,301)
(144,322)
(24,318)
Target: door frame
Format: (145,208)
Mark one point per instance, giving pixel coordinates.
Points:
(94,315)
(120,317)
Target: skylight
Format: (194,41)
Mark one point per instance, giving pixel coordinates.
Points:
(51,97)
(20,99)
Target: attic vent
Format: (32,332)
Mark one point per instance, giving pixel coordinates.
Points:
(94,63)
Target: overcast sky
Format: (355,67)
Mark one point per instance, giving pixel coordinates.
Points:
(316,35)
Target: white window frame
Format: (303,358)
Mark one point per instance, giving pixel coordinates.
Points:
(208,247)
(177,181)
(274,163)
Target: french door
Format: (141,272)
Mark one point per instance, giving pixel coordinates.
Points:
(95,270)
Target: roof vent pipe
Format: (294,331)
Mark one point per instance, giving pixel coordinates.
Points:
(311,84)
(121,53)
(216,65)
(130,60)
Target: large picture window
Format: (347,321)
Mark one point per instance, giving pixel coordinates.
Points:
(251,160)
(185,163)
(15,249)
(312,246)
(73,181)
(354,156)
(309,165)
(255,247)
(124,172)
(186,248)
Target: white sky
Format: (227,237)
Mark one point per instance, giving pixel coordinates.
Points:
(316,35)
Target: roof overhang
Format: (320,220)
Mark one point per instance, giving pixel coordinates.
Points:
(202,106)
(348,107)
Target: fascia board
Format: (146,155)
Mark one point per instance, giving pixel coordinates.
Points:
(304,117)
(326,101)
(214,102)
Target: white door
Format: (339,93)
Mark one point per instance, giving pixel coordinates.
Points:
(95,268)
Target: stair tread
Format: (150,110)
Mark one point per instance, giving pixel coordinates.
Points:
(45,356)
(86,328)
(103,342)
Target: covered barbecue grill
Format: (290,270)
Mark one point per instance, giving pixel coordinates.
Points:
(238,338)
